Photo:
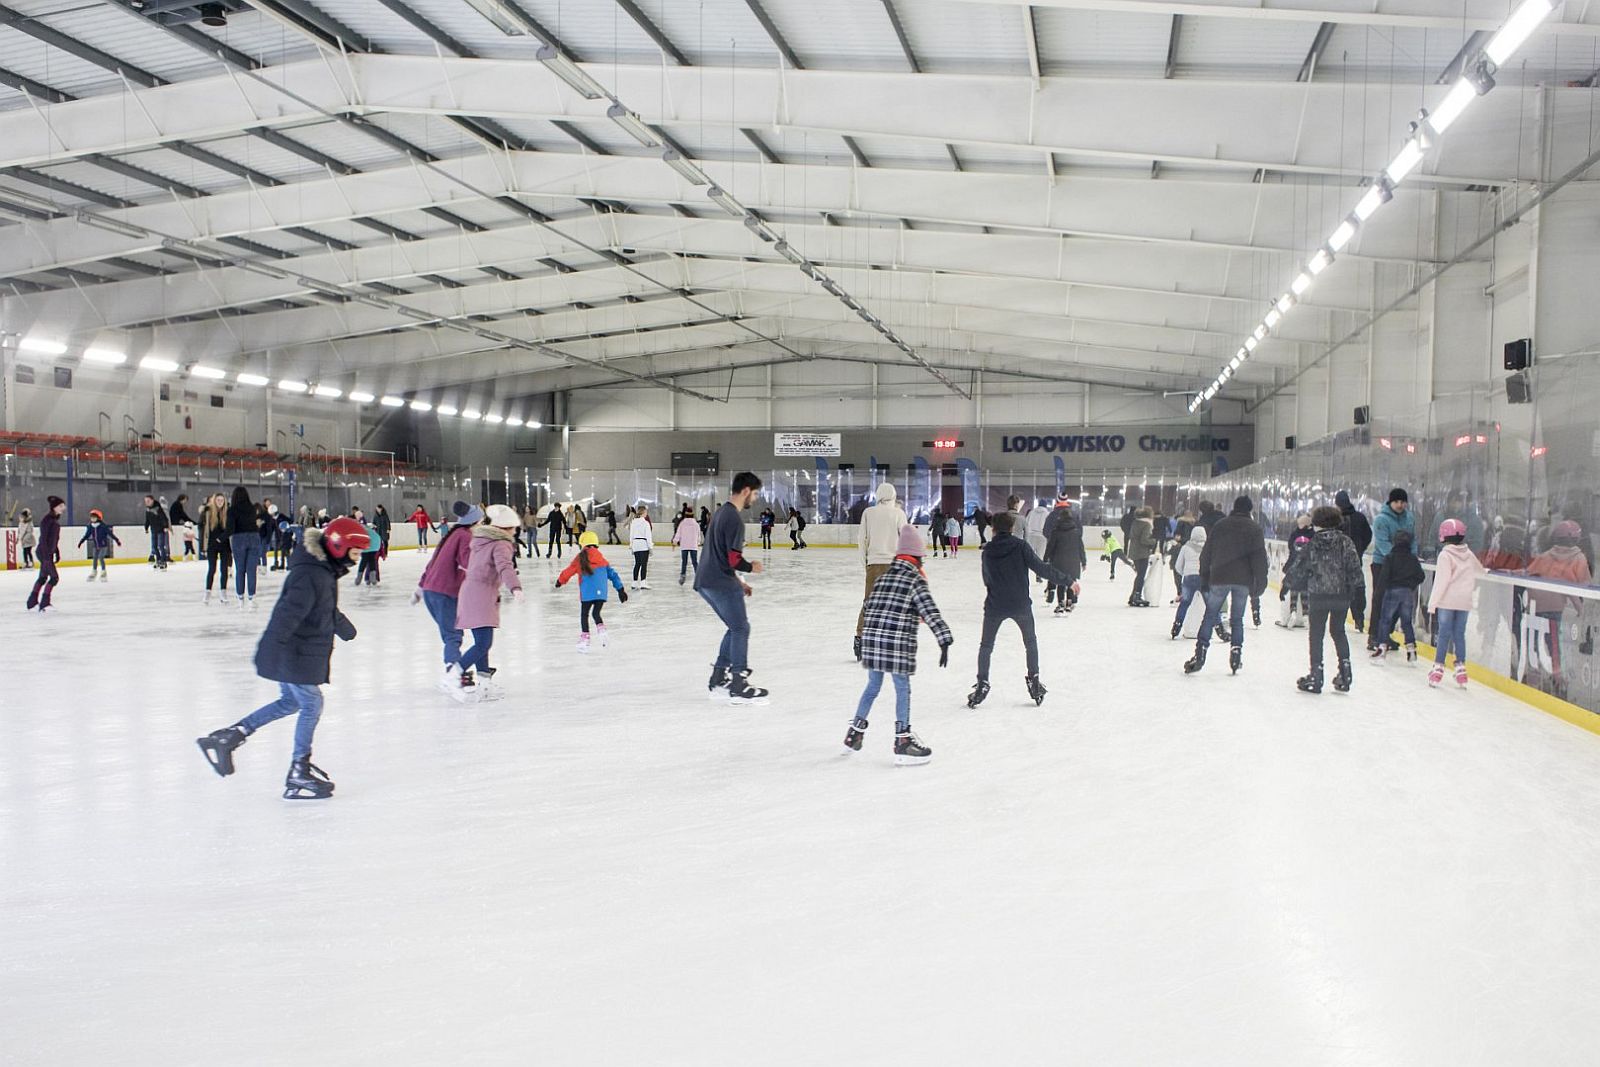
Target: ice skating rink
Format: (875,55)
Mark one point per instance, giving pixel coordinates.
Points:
(606,868)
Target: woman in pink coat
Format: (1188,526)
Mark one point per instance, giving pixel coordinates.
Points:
(489,567)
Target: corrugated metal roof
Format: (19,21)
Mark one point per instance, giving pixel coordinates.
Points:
(346,144)
(257,154)
(438,136)
(94,177)
(34,59)
(379,25)
(181,168)
(721,32)
(965,38)
(132,39)
(1265,48)
(594,30)
(1100,42)
(262,38)
(838,34)
(894,152)
(539,134)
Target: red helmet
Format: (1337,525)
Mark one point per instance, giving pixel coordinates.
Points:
(344,536)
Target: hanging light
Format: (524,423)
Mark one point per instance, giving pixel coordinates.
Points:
(1378,194)
(1404,162)
(43,347)
(200,370)
(327,392)
(1301,283)
(108,356)
(289,385)
(569,72)
(392,402)
(632,125)
(686,170)
(245,378)
(1341,235)
(421,405)
(1450,108)
(1517,29)
(156,363)
(361,398)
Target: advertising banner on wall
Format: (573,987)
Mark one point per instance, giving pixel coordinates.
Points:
(807,444)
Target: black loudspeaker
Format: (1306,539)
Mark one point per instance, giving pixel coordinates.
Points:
(1363,415)
(1288,443)
(1518,389)
(1519,354)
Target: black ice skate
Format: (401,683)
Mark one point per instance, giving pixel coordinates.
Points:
(908,751)
(852,736)
(306,781)
(1311,683)
(1061,608)
(717,687)
(1177,628)
(1255,613)
(1235,659)
(979,691)
(740,691)
(858,648)
(1222,635)
(1036,689)
(218,748)
(1196,661)
(1342,680)
(1049,594)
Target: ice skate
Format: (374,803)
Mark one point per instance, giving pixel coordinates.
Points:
(1255,613)
(583,643)
(1436,675)
(979,691)
(1177,628)
(681,578)
(306,781)
(1461,675)
(1061,608)
(857,647)
(102,576)
(740,691)
(252,603)
(1311,683)
(852,736)
(484,685)
(218,746)
(1196,661)
(717,687)
(601,637)
(1036,689)
(1342,680)
(1377,653)
(1235,659)
(1222,635)
(1411,654)
(908,750)
(91,576)
(644,585)
(223,596)
(1049,595)
(207,599)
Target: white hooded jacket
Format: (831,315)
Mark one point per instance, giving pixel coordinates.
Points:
(880,527)
(1189,554)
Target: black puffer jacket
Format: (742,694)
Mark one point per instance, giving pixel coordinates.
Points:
(1235,554)
(1063,543)
(1007,559)
(297,646)
(1355,525)
(1401,569)
(1330,569)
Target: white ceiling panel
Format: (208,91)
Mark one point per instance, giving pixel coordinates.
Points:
(966,38)
(838,34)
(1101,42)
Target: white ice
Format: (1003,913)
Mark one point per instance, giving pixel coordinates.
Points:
(606,868)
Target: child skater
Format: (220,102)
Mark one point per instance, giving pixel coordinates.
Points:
(99,536)
(295,652)
(1400,576)
(687,538)
(1455,576)
(952,535)
(1007,559)
(1188,570)
(367,570)
(1291,593)
(898,602)
(591,563)
(478,604)
(26,536)
(1329,571)
(1111,551)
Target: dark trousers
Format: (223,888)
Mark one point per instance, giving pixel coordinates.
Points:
(641,566)
(1375,616)
(611,536)
(991,627)
(1141,567)
(553,545)
(220,555)
(591,607)
(1328,617)
(766,538)
(688,557)
(48,577)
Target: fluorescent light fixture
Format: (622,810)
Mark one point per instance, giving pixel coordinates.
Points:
(445,409)
(156,363)
(1518,28)
(1404,162)
(1250,344)
(1285,302)
(1233,364)
(569,72)
(392,402)
(41,346)
(1260,332)
(362,398)
(1375,198)
(1242,355)
(513,421)
(496,14)
(289,385)
(686,170)
(328,391)
(421,405)
(1450,108)
(1301,283)
(200,370)
(1319,262)
(632,125)
(472,413)
(535,424)
(1273,318)
(723,199)
(1342,235)
(246,378)
(495,419)
(109,356)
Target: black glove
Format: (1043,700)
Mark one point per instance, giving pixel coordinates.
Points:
(622,596)
(944,655)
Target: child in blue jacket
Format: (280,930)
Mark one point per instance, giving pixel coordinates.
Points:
(596,571)
(98,535)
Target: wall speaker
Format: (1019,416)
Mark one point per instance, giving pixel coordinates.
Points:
(1518,389)
(1288,444)
(1363,415)
(1519,354)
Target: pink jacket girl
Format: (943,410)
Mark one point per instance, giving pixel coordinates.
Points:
(488,568)
(1455,577)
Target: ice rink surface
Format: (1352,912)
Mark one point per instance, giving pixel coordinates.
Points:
(606,868)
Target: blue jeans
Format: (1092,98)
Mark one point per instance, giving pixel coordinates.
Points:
(1452,635)
(246,560)
(477,657)
(306,699)
(734,652)
(443,610)
(161,545)
(1401,602)
(1190,586)
(902,697)
(1240,599)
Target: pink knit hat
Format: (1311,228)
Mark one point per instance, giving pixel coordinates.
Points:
(911,542)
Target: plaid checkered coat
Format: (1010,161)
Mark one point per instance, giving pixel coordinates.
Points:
(897,602)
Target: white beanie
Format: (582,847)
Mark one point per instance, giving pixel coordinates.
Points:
(502,516)
(886,493)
